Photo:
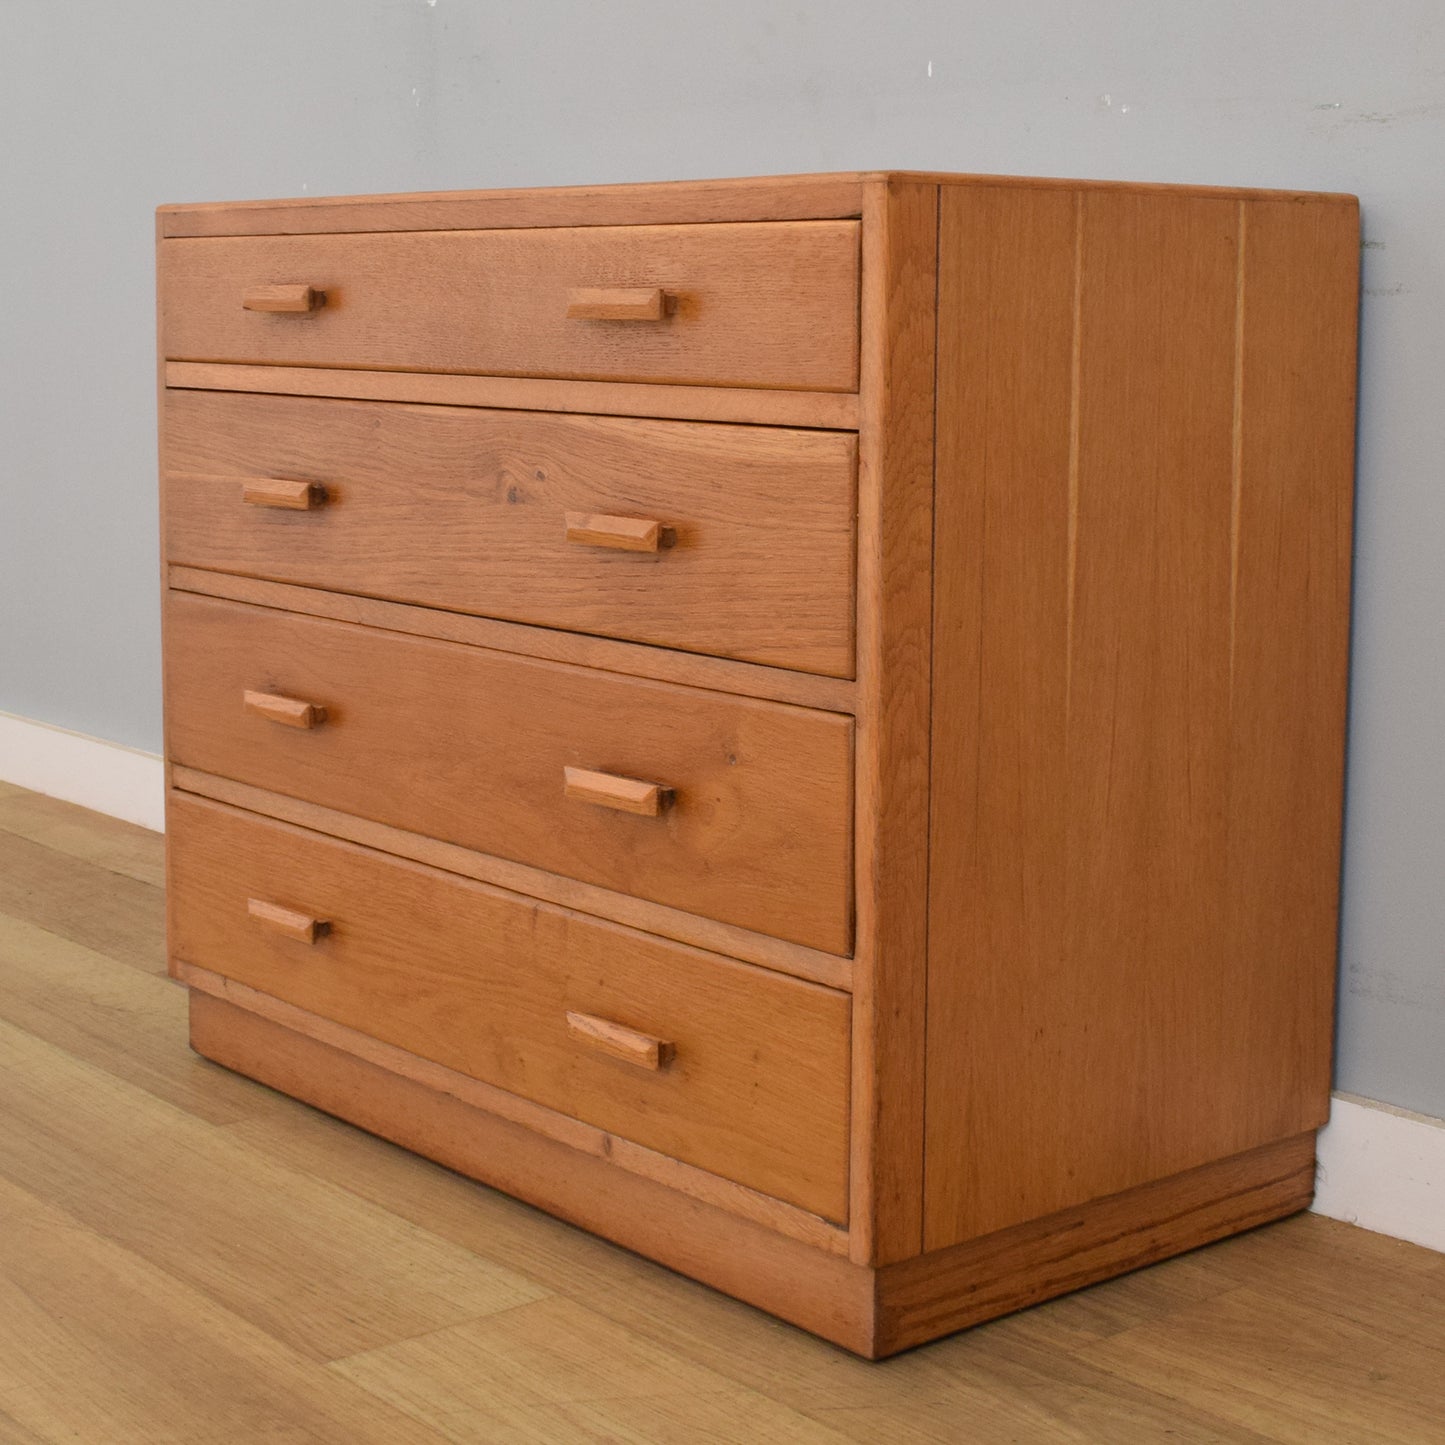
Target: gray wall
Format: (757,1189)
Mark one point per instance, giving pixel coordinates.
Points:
(108,108)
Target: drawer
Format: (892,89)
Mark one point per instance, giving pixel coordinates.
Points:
(481,511)
(749,1081)
(749,815)
(771,304)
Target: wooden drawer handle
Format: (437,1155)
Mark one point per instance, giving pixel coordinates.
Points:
(297,300)
(607,790)
(274,492)
(621,1042)
(286,921)
(617,303)
(623,534)
(293,712)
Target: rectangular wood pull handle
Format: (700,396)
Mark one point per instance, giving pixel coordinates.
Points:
(277,492)
(621,1042)
(622,534)
(607,790)
(286,921)
(292,712)
(617,303)
(297,299)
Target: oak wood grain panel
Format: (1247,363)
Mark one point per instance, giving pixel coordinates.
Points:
(807,1286)
(482,982)
(807,963)
(1107,1002)
(1289,646)
(1173,189)
(950,1289)
(633,659)
(527,393)
(770,198)
(468,746)
(1001,519)
(895,581)
(467,510)
(770,305)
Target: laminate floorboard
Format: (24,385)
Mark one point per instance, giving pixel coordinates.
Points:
(188,1258)
(83,901)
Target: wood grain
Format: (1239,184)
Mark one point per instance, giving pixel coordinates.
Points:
(621,534)
(282,298)
(550,1373)
(87,903)
(1091,758)
(806,963)
(819,1291)
(617,303)
(607,654)
(776,198)
(1289,650)
(772,198)
(118,847)
(483,982)
(1139,699)
(1005,367)
(89,1333)
(467,510)
(1310,1377)
(290,712)
(599,398)
(1304,1331)
(607,790)
(469,747)
(290,496)
(234,1228)
(948,1289)
(712,1189)
(620,1042)
(106,1014)
(299,927)
(895,586)
(771,305)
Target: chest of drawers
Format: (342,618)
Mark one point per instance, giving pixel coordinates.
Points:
(796,724)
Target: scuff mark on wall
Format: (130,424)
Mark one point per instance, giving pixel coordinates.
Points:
(1390,985)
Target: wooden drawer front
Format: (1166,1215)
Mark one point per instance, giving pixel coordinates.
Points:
(750,1078)
(469,510)
(770,305)
(472,746)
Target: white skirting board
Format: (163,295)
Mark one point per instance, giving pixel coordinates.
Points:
(1384,1169)
(106,777)
(1379,1167)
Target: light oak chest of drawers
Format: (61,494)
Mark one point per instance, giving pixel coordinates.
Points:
(796,724)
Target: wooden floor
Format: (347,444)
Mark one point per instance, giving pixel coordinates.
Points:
(188,1257)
